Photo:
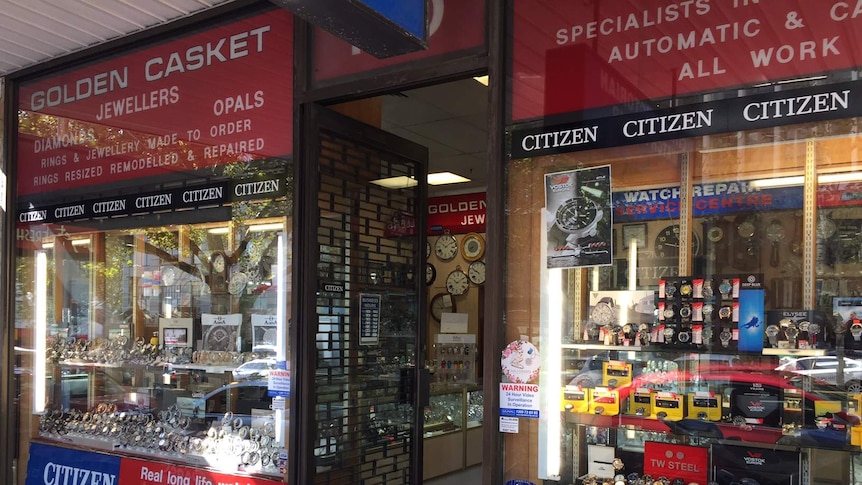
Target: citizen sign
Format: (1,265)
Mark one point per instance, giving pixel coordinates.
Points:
(56,474)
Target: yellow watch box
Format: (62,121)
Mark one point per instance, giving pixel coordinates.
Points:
(616,373)
(605,401)
(576,399)
(640,402)
(669,405)
(704,405)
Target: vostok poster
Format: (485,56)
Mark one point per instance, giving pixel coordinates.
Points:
(579,218)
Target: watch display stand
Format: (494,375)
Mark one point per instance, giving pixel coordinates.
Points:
(453,431)
(455,359)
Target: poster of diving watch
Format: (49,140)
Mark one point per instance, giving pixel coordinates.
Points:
(578,217)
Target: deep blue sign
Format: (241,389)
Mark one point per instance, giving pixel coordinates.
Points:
(53,465)
(407,14)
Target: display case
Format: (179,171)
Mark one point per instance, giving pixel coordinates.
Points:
(453,430)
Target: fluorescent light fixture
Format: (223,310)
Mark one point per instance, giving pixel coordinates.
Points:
(402,182)
(48,245)
(791,81)
(80,242)
(275,226)
(405,182)
(778,182)
(551,314)
(444,178)
(483,80)
(40,316)
(826,178)
(219,230)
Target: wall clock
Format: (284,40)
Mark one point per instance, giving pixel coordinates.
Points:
(430,273)
(667,242)
(775,234)
(457,283)
(636,232)
(446,246)
(441,303)
(472,247)
(476,272)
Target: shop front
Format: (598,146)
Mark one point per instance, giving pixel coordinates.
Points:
(682,243)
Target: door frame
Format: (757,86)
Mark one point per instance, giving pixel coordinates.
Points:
(313,118)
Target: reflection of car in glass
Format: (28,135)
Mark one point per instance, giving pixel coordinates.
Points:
(254,369)
(75,393)
(825,368)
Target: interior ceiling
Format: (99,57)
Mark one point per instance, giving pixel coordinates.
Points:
(34,31)
(450,119)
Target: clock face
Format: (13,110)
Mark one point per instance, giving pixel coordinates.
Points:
(430,273)
(667,242)
(427,249)
(825,227)
(746,229)
(457,282)
(472,247)
(476,272)
(217,338)
(603,313)
(441,303)
(446,247)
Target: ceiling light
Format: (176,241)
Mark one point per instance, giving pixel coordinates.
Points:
(275,226)
(444,178)
(831,178)
(219,230)
(80,242)
(483,80)
(402,182)
(827,178)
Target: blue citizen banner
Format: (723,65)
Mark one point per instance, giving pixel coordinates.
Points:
(719,198)
(53,465)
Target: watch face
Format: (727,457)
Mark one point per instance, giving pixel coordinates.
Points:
(667,242)
(603,313)
(169,275)
(668,312)
(772,331)
(476,272)
(746,229)
(427,249)
(775,231)
(577,213)
(715,234)
(685,290)
(684,337)
(724,288)
(218,262)
(725,312)
(457,282)
(446,247)
(430,273)
(217,337)
(707,290)
(825,227)
(685,311)
(472,247)
(237,284)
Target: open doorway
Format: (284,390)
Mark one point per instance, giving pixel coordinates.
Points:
(450,120)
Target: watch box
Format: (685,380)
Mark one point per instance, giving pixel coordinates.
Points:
(669,405)
(704,405)
(605,402)
(616,373)
(640,402)
(576,399)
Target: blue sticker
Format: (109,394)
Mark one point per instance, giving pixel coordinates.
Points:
(53,465)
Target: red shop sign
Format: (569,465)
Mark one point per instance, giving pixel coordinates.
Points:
(203,100)
(459,214)
(155,473)
(690,463)
(571,56)
(454,25)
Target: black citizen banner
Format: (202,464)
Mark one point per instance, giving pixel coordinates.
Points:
(210,195)
(833,101)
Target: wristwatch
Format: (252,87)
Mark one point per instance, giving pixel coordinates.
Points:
(725,312)
(772,333)
(604,313)
(725,336)
(707,334)
(684,337)
(708,308)
(792,331)
(685,311)
(725,288)
(813,330)
(707,290)
(668,312)
(669,290)
(668,335)
(685,290)
(643,333)
(578,217)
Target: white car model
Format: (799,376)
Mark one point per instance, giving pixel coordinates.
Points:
(256,369)
(825,368)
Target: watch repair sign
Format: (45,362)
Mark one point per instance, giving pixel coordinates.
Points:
(689,463)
